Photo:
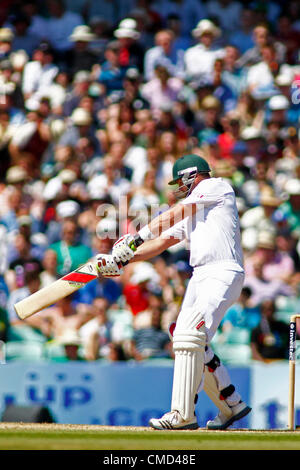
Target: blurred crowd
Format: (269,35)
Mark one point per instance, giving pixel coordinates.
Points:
(97,101)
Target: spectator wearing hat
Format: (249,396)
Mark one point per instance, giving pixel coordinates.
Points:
(263,216)
(58,187)
(39,73)
(199,59)
(81,126)
(23,38)
(132,89)
(67,209)
(277,265)
(81,57)
(61,24)
(6,38)
(279,111)
(131,52)
(209,119)
(164,53)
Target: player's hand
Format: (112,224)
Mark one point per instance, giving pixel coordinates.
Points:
(123,250)
(107,266)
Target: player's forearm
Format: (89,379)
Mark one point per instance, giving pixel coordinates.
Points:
(153,248)
(165,221)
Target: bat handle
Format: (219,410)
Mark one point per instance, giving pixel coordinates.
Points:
(138,241)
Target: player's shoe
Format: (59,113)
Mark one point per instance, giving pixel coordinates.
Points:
(223,422)
(173,421)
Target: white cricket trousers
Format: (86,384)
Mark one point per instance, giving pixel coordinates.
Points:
(210,292)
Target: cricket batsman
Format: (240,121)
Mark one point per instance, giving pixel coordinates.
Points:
(206,216)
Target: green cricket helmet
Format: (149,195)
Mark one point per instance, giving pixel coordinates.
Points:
(186,169)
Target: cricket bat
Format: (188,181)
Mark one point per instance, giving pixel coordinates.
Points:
(59,289)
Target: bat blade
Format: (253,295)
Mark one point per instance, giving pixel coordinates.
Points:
(57,290)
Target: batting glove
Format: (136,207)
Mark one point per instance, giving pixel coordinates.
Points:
(107,266)
(123,250)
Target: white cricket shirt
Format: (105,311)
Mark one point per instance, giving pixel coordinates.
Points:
(213,232)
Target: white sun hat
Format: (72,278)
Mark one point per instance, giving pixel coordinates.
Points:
(206,26)
(82,33)
(127,29)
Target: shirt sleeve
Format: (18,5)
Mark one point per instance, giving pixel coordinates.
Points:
(177,231)
(201,196)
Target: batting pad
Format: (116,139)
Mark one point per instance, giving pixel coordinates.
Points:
(188,347)
(211,389)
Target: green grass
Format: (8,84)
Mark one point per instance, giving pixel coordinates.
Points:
(20,436)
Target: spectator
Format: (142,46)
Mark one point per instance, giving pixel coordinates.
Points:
(270,339)
(242,37)
(96,333)
(23,37)
(6,38)
(261,75)
(38,23)
(131,51)
(81,126)
(70,253)
(112,72)
(39,73)
(161,90)
(22,262)
(199,59)
(151,342)
(242,314)
(110,180)
(164,53)
(81,57)
(61,24)
(49,272)
(261,289)
(262,38)
(291,207)
(277,265)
